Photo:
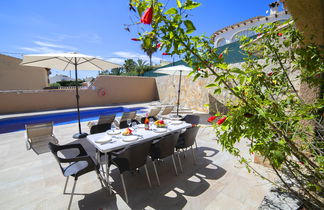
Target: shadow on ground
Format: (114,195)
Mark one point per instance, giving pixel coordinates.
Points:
(173,190)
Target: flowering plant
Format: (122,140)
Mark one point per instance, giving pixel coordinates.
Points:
(265,108)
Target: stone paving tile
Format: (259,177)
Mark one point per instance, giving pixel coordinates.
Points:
(217,181)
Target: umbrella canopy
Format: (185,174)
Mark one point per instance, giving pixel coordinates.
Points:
(176,70)
(69,61)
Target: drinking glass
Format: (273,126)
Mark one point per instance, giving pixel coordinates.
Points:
(134,126)
(129,122)
(151,123)
(113,127)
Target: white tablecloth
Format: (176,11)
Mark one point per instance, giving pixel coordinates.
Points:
(144,135)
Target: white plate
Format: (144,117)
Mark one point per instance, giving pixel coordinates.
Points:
(130,138)
(176,122)
(115,132)
(160,130)
(103,140)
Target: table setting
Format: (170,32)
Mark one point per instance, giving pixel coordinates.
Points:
(115,138)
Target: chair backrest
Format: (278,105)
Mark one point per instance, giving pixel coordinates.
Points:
(192,119)
(190,136)
(165,146)
(106,119)
(154,111)
(128,115)
(54,148)
(134,156)
(100,128)
(123,124)
(167,110)
(38,130)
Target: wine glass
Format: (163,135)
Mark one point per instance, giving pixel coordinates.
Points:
(134,126)
(129,122)
(113,127)
(151,123)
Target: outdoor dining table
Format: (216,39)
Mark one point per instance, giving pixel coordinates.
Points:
(119,141)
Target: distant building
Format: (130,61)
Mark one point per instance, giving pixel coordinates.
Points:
(14,76)
(230,34)
(228,37)
(59,77)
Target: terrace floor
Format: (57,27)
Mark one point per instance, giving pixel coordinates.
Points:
(217,181)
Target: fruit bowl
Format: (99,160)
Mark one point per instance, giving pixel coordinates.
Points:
(160,124)
(127,132)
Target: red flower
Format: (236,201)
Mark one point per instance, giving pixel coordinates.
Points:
(147,16)
(136,39)
(165,53)
(250,53)
(279,34)
(270,74)
(220,121)
(220,56)
(158,45)
(211,119)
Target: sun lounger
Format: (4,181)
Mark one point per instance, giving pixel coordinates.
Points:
(166,111)
(40,133)
(124,117)
(152,113)
(103,124)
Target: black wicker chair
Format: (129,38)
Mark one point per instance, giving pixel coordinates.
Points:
(194,120)
(104,124)
(186,140)
(131,158)
(123,124)
(78,165)
(163,148)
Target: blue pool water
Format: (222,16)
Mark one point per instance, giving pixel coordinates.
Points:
(18,123)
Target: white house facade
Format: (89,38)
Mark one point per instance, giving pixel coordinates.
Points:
(231,33)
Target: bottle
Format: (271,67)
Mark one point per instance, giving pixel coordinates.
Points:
(146,122)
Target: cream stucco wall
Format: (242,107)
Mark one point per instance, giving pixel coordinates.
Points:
(117,89)
(14,76)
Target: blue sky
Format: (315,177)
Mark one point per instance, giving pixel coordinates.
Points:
(96,27)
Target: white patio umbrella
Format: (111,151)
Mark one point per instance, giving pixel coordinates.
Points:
(69,61)
(176,70)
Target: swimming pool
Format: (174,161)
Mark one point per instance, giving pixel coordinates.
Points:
(18,123)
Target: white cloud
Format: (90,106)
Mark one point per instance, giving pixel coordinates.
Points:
(116,60)
(46,44)
(47,47)
(41,50)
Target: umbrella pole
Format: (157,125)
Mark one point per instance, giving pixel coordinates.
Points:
(178,103)
(80,134)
